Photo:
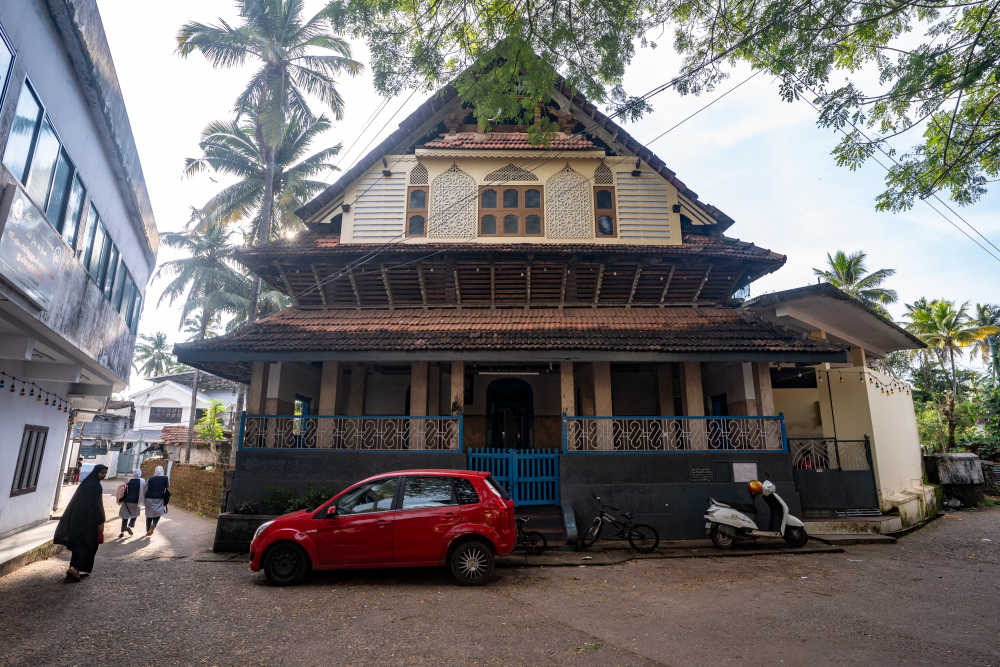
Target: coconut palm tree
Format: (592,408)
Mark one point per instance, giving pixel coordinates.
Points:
(231,148)
(273,34)
(194,325)
(947,330)
(152,355)
(988,349)
(849,274)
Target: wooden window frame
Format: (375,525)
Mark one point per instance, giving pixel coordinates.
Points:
(28,468)
(613,209)
(417,211)
(180,419)
(521,211)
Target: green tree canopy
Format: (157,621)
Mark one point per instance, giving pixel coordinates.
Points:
(936,62)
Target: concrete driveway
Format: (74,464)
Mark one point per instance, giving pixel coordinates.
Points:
(930,599)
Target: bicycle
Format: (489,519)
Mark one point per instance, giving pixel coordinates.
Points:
(641,536)
(533,542)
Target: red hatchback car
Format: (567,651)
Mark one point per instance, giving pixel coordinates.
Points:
(410,518)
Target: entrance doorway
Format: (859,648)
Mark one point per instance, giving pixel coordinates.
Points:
(510,414)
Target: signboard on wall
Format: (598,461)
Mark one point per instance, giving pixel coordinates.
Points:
(30,249)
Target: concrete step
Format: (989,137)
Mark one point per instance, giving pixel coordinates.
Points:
(854,525)
(860,538)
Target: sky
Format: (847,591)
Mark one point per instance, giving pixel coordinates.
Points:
(762,161)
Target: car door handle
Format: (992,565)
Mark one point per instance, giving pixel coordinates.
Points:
(382,524)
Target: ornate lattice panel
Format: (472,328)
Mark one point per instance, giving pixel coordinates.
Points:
(419,175)
(454,203)
(603,175)
(569,205)
(509,174)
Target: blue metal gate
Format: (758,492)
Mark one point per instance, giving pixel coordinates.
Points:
(531,476)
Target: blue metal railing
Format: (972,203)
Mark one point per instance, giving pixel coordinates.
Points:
(673,434)
(365,433)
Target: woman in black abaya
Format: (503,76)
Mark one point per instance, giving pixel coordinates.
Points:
(81,527)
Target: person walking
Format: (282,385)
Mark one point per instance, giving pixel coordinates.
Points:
(81,528)
(77,469)
(157,497)
(131,502)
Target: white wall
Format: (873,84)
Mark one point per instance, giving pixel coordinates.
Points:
(17,411)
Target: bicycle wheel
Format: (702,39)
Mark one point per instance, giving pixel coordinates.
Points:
(643,538)
(534,543)
(592,534)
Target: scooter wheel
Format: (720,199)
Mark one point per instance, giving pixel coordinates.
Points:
(722,539)
(796,536)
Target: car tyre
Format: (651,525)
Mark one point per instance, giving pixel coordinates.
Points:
(472,563)
(285,564)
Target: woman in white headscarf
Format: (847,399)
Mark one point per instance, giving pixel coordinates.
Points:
(131,501)
(157,496)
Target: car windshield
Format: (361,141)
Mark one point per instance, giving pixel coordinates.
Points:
(496,488)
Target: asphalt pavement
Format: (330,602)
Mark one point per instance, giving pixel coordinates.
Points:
(932,598)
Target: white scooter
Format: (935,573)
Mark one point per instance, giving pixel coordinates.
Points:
(727,524)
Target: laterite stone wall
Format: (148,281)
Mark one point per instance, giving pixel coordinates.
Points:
(192,487)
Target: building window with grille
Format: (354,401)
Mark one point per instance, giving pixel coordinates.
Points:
(416,211)
(604,211)
(511,211)
(29,460)
(165,415)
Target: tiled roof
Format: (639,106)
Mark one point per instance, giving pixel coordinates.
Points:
(319,243)
(667,330)
(507,141)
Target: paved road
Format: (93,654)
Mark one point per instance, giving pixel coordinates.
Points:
(931,599)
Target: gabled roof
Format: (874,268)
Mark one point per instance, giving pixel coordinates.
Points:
(844,318)
(415,126)
(506,141)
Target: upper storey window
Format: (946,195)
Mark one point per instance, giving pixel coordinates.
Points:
(38,160)
(511,211)
(604,211)
(416,211)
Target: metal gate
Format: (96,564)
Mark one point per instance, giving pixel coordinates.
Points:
(834,476)
(530,476)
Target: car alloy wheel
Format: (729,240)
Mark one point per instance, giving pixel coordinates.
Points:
(472,563)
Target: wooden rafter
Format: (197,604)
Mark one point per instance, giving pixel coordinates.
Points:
(562,287)
(388,286)
(319,285)
(493,286)
(666,287)
(600,279)
(736,279)
(423,284)
(288,285)
(458,288)
(354,285)
(694,299)
(635,283)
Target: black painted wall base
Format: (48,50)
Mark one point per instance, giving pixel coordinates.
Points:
(658,487)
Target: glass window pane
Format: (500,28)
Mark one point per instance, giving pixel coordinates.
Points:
(532,225)
(511,198)
(511,224)
(129,304)
(418,199)
(465,492)
(74,207)
(60,191)
(489,224)
(424,492)
(36,463)
(101,247)
(369,498)
(43,163)
(111,273)
(6,58)
(604,199)
(532,199)
(605,226)
(22,133)
(124,299)
(120,287)
(489,199)
(416,225)
(137,310)
(88,238)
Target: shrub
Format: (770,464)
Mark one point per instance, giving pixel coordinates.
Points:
(283,501)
